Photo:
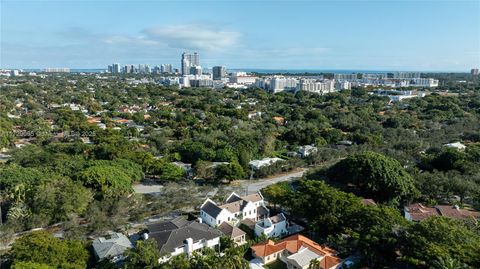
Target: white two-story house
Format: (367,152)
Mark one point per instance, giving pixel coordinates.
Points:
(275,226)
(234,210)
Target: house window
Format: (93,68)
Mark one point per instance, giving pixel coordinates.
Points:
(218,221)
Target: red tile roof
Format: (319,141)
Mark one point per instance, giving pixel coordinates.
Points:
(292,244)
(420,212)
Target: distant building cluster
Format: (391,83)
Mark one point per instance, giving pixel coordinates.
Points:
(191,74)
(392,80)
(116,68)
(57,70)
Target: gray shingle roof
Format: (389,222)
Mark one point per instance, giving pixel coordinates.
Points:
(230,230)
(211,209)
(111,247)
(169,236)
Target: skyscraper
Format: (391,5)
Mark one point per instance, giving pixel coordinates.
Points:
(188,61)
(474,71)
(166,68)
(219,72)
(115,68)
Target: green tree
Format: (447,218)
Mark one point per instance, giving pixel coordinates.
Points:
(231,171)
(440,238)
(277,193)
(107,180)
(31,265)
(43,248)
(375,176)
(145,255)
(167,171)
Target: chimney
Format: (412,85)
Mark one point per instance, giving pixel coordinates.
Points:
(188,246)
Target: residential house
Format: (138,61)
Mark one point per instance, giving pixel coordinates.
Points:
(419,212)
(275,226)
(179,236)
(257,164)
(111,247)
(233,232)
(307,150)
(457,145)
(296,251)
(234,210)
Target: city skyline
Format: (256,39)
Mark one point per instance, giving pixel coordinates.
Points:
(362,35)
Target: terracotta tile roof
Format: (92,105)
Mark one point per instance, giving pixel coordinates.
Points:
(292,244)
(420,212)
(268,248)
(329,262)
(457,213)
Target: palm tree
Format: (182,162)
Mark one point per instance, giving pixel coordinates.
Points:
(448,263)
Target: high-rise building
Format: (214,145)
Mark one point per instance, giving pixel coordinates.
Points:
(219,72)
(196,70)
(115,68)
(188,61)
(129,69)
(143,69)
(475,71)
(166,68)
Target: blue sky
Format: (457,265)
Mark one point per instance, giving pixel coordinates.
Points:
(367,35)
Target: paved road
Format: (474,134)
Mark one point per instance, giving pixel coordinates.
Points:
(251,186)
(147,188)
(254,185)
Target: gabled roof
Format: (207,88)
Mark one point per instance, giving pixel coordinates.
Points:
(235,207)
(229,230)
(168,225)
(234,204)
(211,208)
(169,239)
(329,262)
(233,197)
(111,247)
(292,244)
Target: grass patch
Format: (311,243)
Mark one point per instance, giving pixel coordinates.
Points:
(278,264)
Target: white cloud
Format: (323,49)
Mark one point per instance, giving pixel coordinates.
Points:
(194,36)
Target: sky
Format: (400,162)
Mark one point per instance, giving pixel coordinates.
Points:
(405,35)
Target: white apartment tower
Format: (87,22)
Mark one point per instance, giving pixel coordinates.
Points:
(188,61)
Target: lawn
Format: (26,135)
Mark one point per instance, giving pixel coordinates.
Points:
(278,264)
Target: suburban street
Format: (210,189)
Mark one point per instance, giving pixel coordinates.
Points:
(255,185)
(248,186)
